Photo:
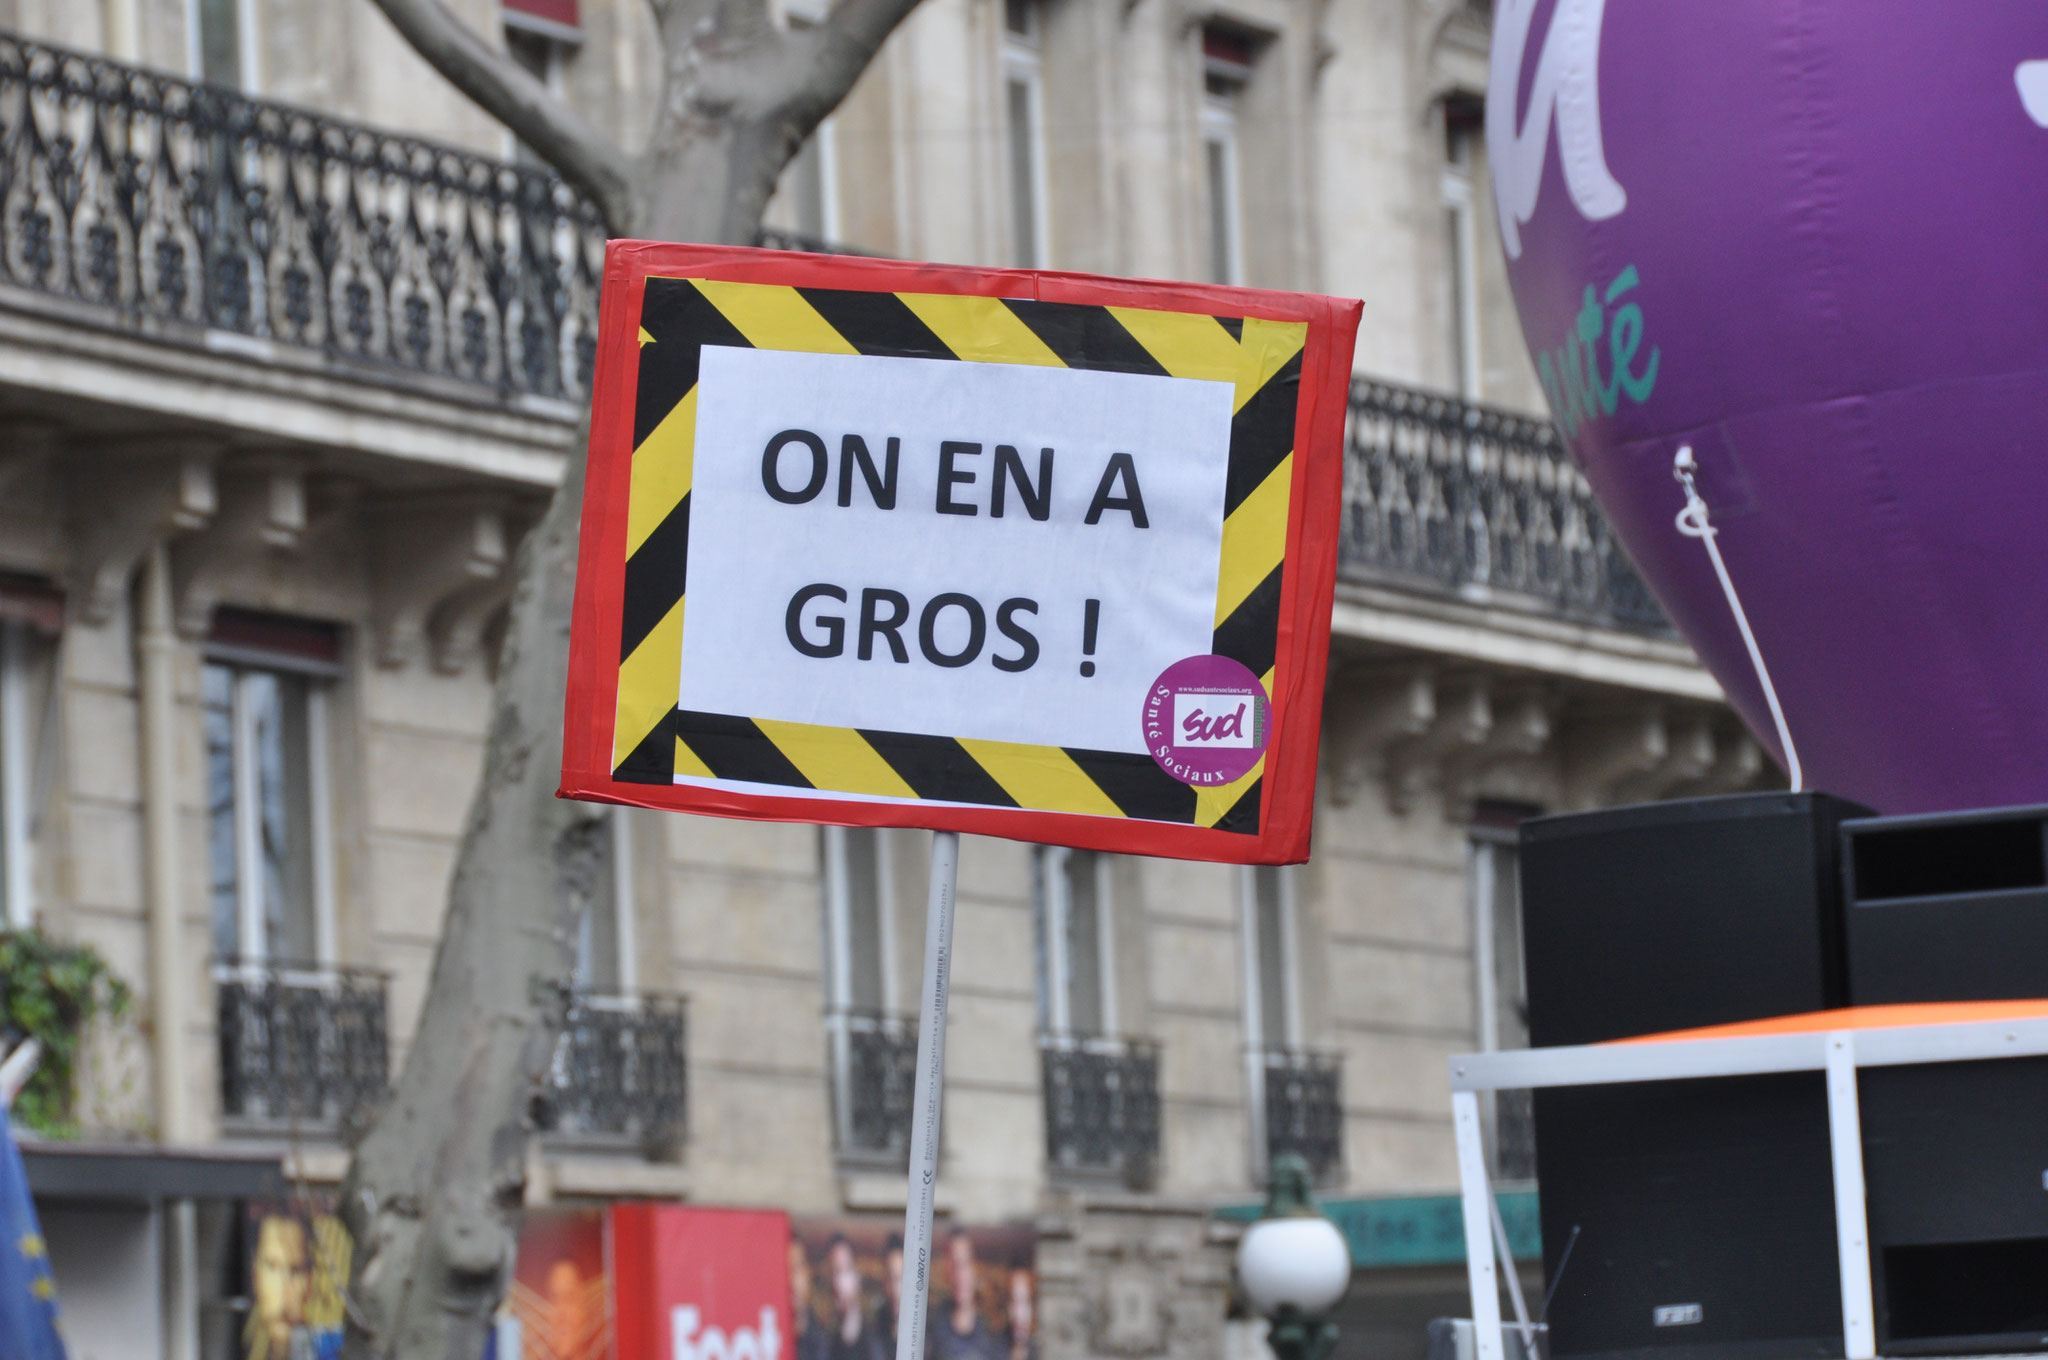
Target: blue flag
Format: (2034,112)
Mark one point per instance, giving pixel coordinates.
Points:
(28,1292)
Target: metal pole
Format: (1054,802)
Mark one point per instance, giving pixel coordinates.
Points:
(924,1110)
(1852,1221)
(1473,1192)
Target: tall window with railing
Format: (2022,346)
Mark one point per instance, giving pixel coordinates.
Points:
(619,1077)
(1294,1092)
(302,1040)
(1101,1088)
(872,1047)
(270,834)
(1501,989)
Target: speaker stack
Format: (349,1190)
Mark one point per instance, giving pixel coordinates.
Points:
(1954,908)
(1696,1218)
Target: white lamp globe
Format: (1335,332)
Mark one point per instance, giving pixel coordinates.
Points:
(1298,1262)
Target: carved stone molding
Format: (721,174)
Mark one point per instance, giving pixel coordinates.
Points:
(262,510)
(1523,725)
(1369,709)
(1688,755)
(433,560)
(1464,721)
(120,516)
(459,627)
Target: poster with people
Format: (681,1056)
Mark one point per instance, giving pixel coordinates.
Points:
(846,1290)
(298,1267)
(559,1306)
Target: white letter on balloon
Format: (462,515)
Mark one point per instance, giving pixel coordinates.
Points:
(1566,91)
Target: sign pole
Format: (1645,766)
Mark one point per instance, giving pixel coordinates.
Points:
(930,1086)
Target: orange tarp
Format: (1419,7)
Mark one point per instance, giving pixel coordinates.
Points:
(1861,1017)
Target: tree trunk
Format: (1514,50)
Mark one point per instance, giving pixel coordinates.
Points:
(435,1191)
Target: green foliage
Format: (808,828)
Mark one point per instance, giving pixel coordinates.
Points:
(52,991)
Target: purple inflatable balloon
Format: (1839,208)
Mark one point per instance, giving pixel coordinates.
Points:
(1810,240)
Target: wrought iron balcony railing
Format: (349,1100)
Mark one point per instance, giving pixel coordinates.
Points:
(197,216)
(1449,498)
(186,212)
(1102,1106)
(874,1066)
(620,1073)
(301,1047)
(1304,1108)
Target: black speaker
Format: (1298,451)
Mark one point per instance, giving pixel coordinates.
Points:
(1692,1217)
(1955,1155)
(1665,916)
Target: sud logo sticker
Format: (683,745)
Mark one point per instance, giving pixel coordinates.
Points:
(1207,720)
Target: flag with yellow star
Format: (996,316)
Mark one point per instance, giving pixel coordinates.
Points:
(28,1291)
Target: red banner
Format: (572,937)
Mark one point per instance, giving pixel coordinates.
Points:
(700,1284)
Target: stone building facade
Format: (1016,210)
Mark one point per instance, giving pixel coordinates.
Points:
(289,362)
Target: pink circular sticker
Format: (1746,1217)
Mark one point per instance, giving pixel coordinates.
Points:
(1207,720)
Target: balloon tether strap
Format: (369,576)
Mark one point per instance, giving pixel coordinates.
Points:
(1693,523)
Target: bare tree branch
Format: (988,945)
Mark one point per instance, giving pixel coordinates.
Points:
(831,57)
(584,156)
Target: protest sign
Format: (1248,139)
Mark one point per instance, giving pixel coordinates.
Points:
(1034,555)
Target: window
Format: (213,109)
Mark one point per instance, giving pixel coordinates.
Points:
(1502,992)
(1463,120)
(29,615)
(1024,130)
(873,1050)
(1272,1000)
(1077,974)
(857,926)
(809,184)
(605,944)
(544,55)
(1226,70)
(270,843)
(223,40)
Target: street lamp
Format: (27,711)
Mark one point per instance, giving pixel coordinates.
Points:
(1294,1265)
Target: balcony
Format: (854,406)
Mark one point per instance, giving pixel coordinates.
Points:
(619,1077)
(1447,498)
(153,205)
(874,1064)
(1304,1108)
(301,1049)
(1102,1107)
(144,204)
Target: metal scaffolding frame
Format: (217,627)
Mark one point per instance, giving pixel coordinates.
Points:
(1836,1052)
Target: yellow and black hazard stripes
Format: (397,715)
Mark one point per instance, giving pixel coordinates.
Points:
(911,765)
(654,742)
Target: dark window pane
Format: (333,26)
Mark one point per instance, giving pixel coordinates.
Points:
(1023,173)
(864,916)
(1222,212)
(280,726)
(1085,962)
(1272,944)
(220,42)
(217,691)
